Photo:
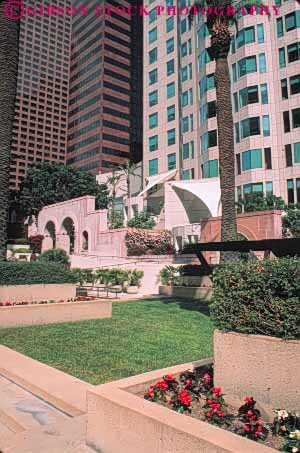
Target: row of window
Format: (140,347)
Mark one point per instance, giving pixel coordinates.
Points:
(291,85)
(247,36)
(291,22)
(252,126)
(255,187)
(253,158)
(293,195)
(291,119)
(292,52)
(250,95)
(171,140)
(248,65)
(152,34)
(292,154)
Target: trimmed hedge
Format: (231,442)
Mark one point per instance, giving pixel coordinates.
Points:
(260,298)
(14,273)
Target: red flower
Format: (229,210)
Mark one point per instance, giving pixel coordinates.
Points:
(259,429)
(208,414)
(210,401)
(184,398)
(8,303)
(206,377)
(247,428)
(188,382)
(217,390)
(151,393)
(248,399)
(221,414)
(249,413)
(168,377)
(162,386)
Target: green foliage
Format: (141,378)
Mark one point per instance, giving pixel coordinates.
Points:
(172,275)
(84,275)
(16,273)
(135,277)
(55,256)
(142,220)
(50,183)
(115,220)
(291,220)
(113,276)
(22,250)
(257,201)
(141,242)
(258,298)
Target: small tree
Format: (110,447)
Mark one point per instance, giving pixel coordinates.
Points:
(113,184)
(259,202)
(128,170)
(142,220)
(58,256)
(291,220)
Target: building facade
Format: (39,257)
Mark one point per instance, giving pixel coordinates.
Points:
(180,125)
(102,107)
(41,111)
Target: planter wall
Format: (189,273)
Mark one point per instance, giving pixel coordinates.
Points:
(19,293)
(190,292)
(196,280)
(266,368)
(28,315)
(120,421)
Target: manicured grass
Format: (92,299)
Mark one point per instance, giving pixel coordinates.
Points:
(142,336)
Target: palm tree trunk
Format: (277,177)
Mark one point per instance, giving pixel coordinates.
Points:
(226,150)
(9,52)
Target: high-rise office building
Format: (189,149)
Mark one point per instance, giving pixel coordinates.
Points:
(41,111)
(180,125)
(103,107)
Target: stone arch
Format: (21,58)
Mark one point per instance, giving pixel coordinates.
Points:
(49,236)
(67,235)
(85,241)
(246,232)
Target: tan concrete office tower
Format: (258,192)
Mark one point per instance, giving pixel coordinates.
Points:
(41,112)
(180,127)
(104,107)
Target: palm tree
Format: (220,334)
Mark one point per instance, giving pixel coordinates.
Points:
(113,183)
(128,170)
(219,28)
(9,43)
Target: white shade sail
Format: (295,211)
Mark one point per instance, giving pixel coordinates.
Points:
(158,179)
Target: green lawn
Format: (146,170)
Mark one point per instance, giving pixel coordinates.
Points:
(142,336)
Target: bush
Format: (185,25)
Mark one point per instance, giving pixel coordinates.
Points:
(16,273)
(84,275)
(115,220)
(135,277)
(142,220)
(258,298)
(140,242)
(58,256)
(196,270)
(291,220)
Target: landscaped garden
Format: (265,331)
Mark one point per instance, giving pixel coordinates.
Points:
(142,335)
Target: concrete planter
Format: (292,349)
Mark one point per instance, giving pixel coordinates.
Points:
(189,292)
(20,293)
(29,315)
(266,368)
(132,289)
(196,280)
(121,421)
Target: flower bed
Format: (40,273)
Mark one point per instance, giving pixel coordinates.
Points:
(24,313)
(193,393)
(119,419)
(9,303)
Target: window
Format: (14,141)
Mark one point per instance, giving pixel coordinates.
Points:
(251,159)
(252,188)
(170,90)
(209,140)
(250,127)
(298,189)
(170,45)
(234,74)
(183,50)
(153,98)
(171,137)
(290,191)
(266,125)
(293,52)
(237,132)
(248,95)
(262,63)
(169,24)
(185,99)
(153,120)
(295,84)
(170,67)
(268,158)
(171,113)
(292,21)
(264,93)
(236,102)
(208,111)
(296,118)
(269,188)
(183,27)
(260,33)
(185,124)
(153,167)
(191,96)
(185,151)
(204,58)
(152,35)
(279,24)
(246,66)
(282,62)
(286,121)
(210,169)
(153,55)
(288,156)
(152,15)
(245,36)
(186,174)
(152,76)
(207,83)
(171,161)
(238,163)
(297,153)
(184,74)
(153,143)
(284,89)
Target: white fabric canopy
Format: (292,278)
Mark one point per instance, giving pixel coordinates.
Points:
(207,190)
(158,179)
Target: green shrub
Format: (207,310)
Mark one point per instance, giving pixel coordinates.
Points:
(196,270)
(84,275)
(170,275)
(142,242)
(16,273)
(258,298)
(135,277)
(142,220)
(58,256)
